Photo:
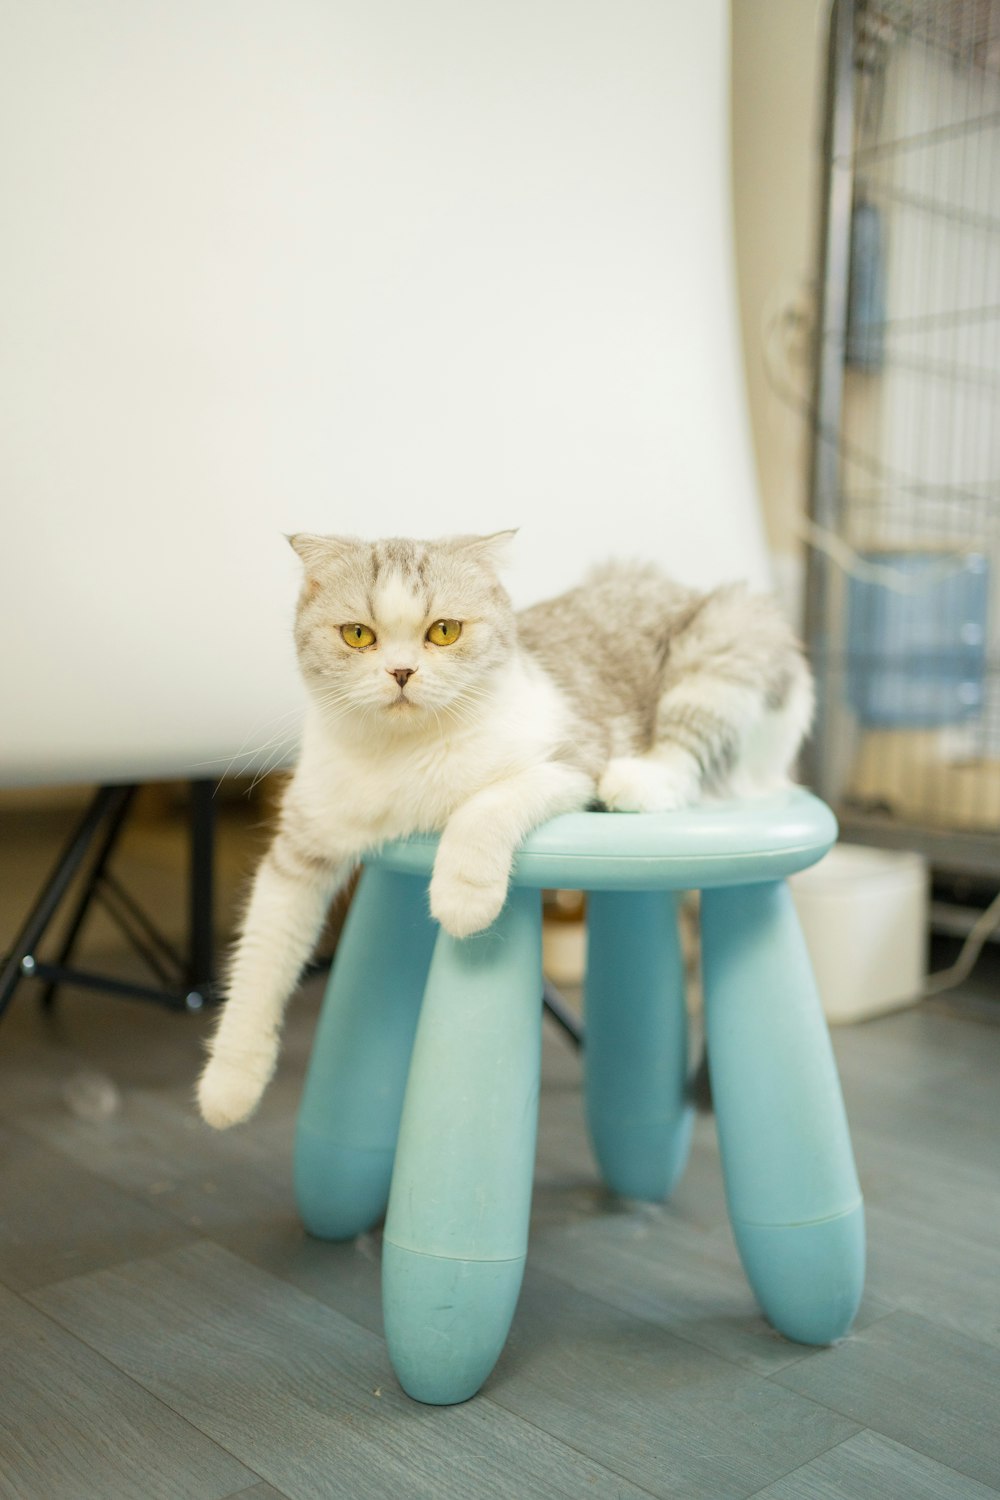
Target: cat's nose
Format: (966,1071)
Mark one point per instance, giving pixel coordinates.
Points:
(402,674)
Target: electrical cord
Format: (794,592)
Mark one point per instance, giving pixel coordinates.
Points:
(979,935)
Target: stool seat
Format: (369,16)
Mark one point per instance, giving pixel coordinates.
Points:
(422,1092)
(694,848)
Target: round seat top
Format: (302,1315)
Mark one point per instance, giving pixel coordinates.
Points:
(694,848)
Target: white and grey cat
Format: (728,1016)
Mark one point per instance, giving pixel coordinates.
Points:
(433,706)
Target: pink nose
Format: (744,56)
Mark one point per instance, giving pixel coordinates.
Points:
(402,674)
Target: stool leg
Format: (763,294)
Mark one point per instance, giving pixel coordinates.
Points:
(792,1189)
(457,1227)
(349,1119)
(635,1057)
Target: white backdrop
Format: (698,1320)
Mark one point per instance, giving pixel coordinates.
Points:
(407,266)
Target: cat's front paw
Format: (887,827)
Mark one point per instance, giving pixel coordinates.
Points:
(468,889)
(230,1090)
(640,784)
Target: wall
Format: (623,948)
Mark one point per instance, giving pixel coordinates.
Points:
(778,82)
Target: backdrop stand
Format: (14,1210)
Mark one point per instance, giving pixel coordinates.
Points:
(185,982)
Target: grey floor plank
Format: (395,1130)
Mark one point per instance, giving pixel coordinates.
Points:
(565,1164)
(925,1181)
(304,1395)
(346,1277)
(930,1267)
(867,1465)
(154,1146)
(646,1260)
(72,1427)
(151,1055)
(673,1418)
(259,1492)
(59,1219)
(914,1053)
(923,1077)
(915,1382)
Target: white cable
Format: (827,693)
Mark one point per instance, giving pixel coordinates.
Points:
(980,932)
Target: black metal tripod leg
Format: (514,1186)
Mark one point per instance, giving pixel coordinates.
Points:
(201,922)
(116,822)
(561,1013)
(69,862)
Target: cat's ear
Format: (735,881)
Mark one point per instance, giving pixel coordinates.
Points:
(316,550)
(491,549)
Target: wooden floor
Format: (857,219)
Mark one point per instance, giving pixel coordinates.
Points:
(168,1330)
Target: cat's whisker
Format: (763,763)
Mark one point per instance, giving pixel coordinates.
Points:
(282,720)
(254,730)
(470,710)
(269,753)
(227,770)
(261,774)
(272,748)
(295,711)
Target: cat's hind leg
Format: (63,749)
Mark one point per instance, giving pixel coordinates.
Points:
(771,745)
(643,783)
(736,702)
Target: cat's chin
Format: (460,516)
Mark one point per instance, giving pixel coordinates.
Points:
(403,716)
(408,718)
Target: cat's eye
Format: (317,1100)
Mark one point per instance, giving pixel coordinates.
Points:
(444,632)
(358,636)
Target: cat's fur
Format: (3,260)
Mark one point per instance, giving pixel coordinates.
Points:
(629,690)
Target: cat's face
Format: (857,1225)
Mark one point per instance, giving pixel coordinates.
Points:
(401,633)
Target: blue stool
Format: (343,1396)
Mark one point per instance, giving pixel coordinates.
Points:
(422,1089)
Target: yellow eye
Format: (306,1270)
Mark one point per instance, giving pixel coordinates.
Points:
(444,632)
(358,636)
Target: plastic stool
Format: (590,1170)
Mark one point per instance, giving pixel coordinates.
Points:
(422,1089)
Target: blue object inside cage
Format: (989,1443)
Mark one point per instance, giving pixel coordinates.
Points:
(865,349)
(916,657)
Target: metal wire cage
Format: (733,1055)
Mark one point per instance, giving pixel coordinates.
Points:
(904,582)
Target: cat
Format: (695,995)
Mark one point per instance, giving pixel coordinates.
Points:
(432,706)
